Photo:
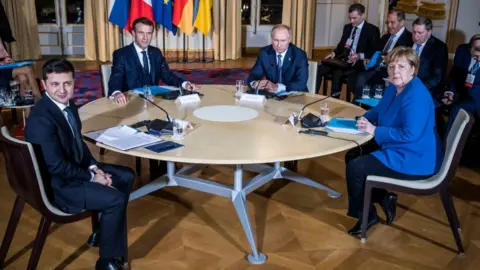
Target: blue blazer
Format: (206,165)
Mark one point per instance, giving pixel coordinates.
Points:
(294,68)
(127,71)
(459,72)
(49,132)
(406,130)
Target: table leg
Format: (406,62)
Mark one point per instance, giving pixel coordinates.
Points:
(240,204)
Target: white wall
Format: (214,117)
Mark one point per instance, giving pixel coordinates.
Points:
(330,17)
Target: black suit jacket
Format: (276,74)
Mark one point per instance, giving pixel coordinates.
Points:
(404,40)
(433,64)
(127,71)
(294,68)
(5,30)
(367,42)
(52,138)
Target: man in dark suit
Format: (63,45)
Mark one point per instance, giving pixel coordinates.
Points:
(397,35)
(464,89)
(78,182)
(129,71)
(360,37)
(433,55)
(280,66)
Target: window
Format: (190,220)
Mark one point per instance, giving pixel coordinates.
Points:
(46,11)
(74,11)
(264,12)
(246,12)
(271,12)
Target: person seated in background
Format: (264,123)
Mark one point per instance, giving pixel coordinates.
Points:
(405,143)
(397,35)
(280,66)
(360,37)
(24,75)
(140,64)
(464,89)
(433,55)
(77,181)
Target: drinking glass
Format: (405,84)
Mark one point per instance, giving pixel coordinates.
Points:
(179,128)
(14,89)
(366,92)
(239,87)
(28,93)
(324,112)
(378,91)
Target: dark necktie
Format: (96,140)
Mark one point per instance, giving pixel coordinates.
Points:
(279,68)
(76,131)
(389,43)
(354,33)
(353,40)
(146,73)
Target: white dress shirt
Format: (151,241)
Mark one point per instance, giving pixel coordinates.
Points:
(62,107)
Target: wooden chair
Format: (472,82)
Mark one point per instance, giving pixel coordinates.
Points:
(438,183)
(26,181)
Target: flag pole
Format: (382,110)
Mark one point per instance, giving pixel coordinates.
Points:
(185,58)
(203,49)
(163,38)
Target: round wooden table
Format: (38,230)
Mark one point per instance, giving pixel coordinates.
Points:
(246,145)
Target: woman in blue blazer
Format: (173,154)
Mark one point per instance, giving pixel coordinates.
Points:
(405,145)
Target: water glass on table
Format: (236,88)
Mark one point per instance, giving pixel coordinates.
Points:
(28,93)
(366,92)
(378,91)
(179,128)
(239,88)
(324,112)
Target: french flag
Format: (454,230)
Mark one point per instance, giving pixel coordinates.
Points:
(118,13)
(138,9)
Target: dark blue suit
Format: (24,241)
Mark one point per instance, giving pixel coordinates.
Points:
(64,168)
(433,64)
(294,68)
(127,71)
(468,98)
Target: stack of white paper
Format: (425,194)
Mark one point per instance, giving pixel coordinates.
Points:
(122,137)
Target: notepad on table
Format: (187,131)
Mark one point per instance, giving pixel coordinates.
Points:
(122,137)
(344,125)
(372,102)
(157,90)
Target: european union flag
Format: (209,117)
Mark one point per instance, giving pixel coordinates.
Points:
(162,14)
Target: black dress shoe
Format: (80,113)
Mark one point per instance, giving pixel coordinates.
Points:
(389,206)
(291,165)
(108,265)
(357,229)
(94,239)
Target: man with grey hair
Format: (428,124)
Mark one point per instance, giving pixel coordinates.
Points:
(433,55)
(281,66)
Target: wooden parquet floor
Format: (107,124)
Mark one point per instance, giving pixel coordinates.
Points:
(296,226)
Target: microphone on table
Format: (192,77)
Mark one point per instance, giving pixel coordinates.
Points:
(256,88)
(310,120)
(143,96)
